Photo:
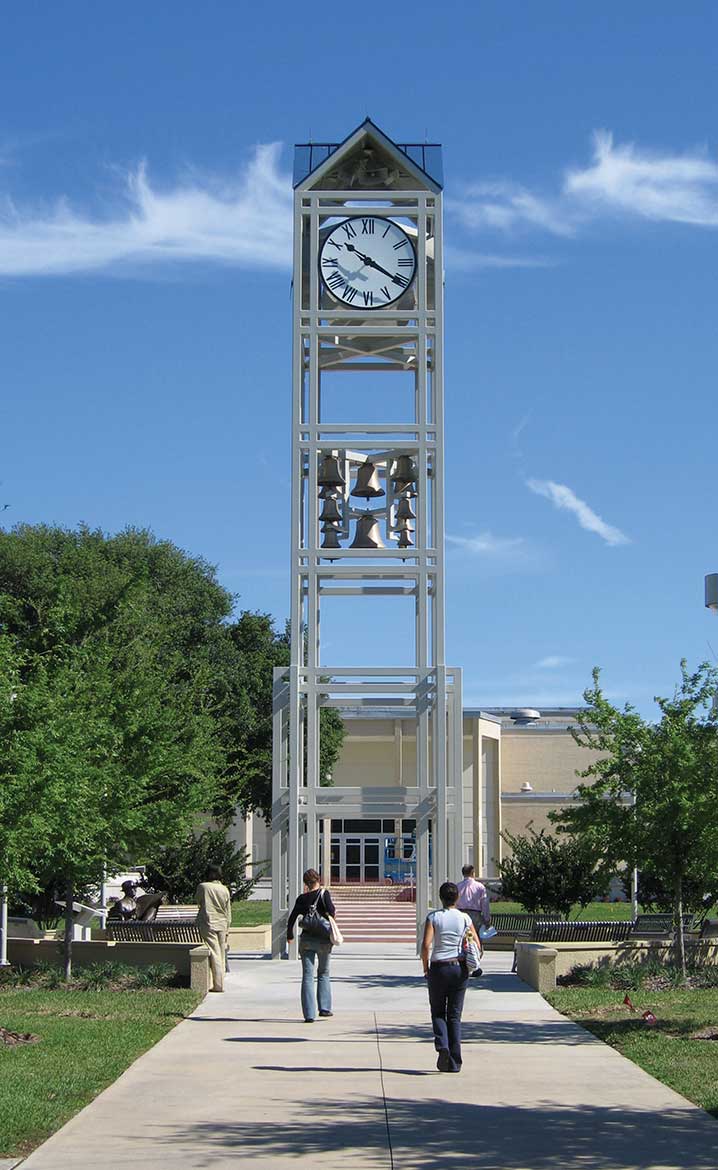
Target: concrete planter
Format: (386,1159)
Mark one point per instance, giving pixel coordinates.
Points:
(191,962)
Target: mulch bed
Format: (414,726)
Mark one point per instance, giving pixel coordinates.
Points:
(13,1039)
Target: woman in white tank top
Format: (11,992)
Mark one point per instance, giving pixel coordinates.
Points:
(447,975)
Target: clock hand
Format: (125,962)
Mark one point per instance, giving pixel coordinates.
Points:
(372,263)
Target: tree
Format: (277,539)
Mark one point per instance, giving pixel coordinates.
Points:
(243,667)
(654,789)
(178,869)
(110,747)
(549,875)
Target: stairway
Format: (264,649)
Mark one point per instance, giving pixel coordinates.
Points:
(375,914)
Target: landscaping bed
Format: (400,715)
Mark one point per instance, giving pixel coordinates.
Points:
(60,1047)
(676,1041)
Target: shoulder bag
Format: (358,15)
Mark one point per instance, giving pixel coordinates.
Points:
(316,925)
(468,951)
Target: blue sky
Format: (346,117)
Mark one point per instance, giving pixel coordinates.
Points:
(145,323)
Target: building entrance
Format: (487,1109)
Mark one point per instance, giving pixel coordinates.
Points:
(357,858)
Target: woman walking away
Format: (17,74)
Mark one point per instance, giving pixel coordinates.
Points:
(314,907)
(447,974)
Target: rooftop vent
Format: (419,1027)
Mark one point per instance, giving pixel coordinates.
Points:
(524,715)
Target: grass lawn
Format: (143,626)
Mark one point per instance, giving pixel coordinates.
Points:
(668,1051)
(251,913)
(87,1038)
(594,912)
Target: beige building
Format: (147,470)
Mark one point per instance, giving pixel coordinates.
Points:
(518,766)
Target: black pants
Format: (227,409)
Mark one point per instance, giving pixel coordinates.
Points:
(447,988)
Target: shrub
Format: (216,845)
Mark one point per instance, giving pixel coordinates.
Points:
(177,871)
(548,874)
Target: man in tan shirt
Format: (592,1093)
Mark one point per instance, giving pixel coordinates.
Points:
(214,920)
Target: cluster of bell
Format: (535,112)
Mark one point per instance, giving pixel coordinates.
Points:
(403,481)
(331,487)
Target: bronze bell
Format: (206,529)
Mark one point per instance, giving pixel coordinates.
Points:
(367,484)
(367,533)
(326,493)
(330,538)
(405,540)
(331,512)
(404,510)
(330,473)
(404,472)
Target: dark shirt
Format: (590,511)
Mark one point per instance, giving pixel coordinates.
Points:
(303,903)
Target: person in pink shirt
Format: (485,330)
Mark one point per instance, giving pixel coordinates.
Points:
(474,900)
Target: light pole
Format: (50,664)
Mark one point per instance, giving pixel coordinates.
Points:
(4,962)
(711,595)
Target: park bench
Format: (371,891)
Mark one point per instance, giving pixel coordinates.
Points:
(578,931)
(649,926)
(171,924)
(513,925)
(558,930)
(161,930)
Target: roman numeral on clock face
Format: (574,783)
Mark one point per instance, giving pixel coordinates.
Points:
(405,262)
(367,227)
(335,280)
(385,293)
(349,229)
(400,244)
(350,293)
(400,280)
(368,298)
(331,262)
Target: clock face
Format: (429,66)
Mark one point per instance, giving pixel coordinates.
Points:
(367,262)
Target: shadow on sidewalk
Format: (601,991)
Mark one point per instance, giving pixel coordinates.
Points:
(558,1031)
(435,1132)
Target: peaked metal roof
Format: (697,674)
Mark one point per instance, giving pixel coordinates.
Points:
(424,156)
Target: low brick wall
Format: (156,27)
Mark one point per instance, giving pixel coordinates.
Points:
(250,938)
(191,962)
(541,964)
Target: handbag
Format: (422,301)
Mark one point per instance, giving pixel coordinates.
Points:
(316,925)
(337,936)
(469,952)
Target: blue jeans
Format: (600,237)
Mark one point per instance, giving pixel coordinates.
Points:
(447,988)
(309,950)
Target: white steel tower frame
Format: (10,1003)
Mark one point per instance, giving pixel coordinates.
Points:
(367,176)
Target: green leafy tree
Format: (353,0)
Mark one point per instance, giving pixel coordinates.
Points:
(549,874)
(111,747)
(653,787)
(243,671)
(178,869)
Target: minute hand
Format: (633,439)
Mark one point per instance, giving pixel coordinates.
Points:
(372,263)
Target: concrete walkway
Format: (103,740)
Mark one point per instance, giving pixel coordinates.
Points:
(246,1080)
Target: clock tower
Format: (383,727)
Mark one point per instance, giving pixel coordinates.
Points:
(367,510)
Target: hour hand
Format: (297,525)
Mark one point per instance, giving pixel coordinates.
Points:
(364,259)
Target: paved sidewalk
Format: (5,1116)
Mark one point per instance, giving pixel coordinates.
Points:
(245,1079)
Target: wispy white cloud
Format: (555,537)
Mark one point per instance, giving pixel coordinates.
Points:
(505,206)
(244,221)
(682,188)
(459,260)
(553,662)
(566,500)
(621,179)
(487,544)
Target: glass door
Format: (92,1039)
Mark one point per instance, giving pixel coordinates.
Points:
(357,858)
